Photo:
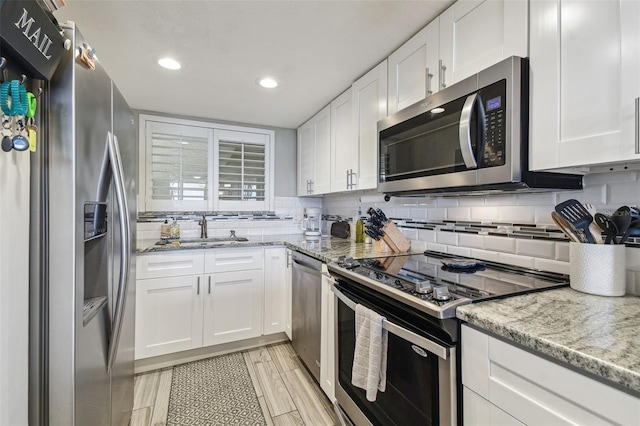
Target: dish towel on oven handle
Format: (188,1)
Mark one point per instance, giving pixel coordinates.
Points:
(370,356)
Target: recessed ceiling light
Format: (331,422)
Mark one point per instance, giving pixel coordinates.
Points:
(169,63)
(437,110)
(268,82)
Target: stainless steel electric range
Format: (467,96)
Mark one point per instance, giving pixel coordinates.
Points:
(418,295)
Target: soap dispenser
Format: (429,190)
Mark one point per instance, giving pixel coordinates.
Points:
(165,230)
(175,229)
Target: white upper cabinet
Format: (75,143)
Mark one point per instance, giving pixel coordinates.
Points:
(585,82)
(413,69)
(369,104)
(314,154)
(475,34)
(344,145)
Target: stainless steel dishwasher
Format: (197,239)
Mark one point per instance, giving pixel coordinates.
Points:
(305,311)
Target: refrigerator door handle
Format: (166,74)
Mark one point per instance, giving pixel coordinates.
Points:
(125,246)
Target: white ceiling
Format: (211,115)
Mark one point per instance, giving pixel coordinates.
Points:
(315,49)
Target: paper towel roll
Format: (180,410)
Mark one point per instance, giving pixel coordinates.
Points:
(598,268)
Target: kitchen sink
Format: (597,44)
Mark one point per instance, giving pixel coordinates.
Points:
(202,242)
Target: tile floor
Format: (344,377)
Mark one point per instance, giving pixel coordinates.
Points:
(287,393)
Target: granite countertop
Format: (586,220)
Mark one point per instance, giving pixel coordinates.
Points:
(326,248)
(600,335)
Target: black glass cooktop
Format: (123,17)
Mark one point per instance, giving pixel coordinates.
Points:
(427,282)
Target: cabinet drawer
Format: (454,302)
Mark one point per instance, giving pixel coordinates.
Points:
(170,264)
(227,260)
(537,391)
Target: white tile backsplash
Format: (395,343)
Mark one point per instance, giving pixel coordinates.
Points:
(500,244)
(536,248)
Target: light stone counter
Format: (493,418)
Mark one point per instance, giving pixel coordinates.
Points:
(326,248)
(600,335)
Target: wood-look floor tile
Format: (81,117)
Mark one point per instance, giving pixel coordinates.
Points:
(265,411)
(141,417)
(161,406)
(252,373)
(304,370)
(275,393)
(288,419)
(328,405)
(310,406)
(283,357)
(259,354)
(145,389)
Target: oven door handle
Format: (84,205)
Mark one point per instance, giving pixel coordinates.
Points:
(465,132)
(403,333)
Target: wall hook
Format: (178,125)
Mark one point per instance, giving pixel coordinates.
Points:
(3,66)
(39,92)
(23,79)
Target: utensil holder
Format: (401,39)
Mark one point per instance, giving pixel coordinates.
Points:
(598,268)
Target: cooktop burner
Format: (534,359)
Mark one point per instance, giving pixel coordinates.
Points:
(437,283)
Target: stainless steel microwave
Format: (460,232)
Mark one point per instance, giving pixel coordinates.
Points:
(469,137)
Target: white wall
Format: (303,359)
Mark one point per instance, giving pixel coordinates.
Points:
(14,287)
(606,192)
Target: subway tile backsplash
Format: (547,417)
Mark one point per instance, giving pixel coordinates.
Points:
(510,228)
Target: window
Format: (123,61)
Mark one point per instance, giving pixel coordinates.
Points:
(197,166)
(241,178)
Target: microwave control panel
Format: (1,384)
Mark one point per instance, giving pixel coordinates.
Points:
(495,128)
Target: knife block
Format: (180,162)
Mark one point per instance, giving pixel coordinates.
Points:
(379,246)
(396,241)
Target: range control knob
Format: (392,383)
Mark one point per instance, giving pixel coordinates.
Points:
(423,287)
(441,293)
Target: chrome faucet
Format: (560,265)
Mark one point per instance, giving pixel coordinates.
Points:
(203,226)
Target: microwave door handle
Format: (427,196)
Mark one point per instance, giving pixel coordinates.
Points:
(465,132)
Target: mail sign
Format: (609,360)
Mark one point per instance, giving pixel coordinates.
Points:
(30,38)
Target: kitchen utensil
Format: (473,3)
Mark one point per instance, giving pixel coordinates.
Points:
(575,213)
(633,228)
(569,230)
(608,227)
(596,231)
(622,219)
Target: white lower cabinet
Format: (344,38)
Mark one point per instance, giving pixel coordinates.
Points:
(327,335)
(168,315)
(187,300)
(504,384)
(276,284)
(480,412)
(233,308)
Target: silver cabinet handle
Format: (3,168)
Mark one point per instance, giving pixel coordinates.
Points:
(198,289)
(443,68)
(310,186)
(209,284)
(428,83)
(637,125)
(125,245)
(465,132)
(348,179)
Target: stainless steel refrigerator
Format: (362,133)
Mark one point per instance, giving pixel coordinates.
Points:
(83,256)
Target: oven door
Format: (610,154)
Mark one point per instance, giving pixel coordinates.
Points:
(421,373)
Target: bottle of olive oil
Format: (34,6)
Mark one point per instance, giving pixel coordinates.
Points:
(359,228)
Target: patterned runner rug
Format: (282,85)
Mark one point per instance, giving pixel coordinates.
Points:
(214,391)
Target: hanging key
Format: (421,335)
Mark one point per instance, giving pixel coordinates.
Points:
(7,133)
(20,140)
